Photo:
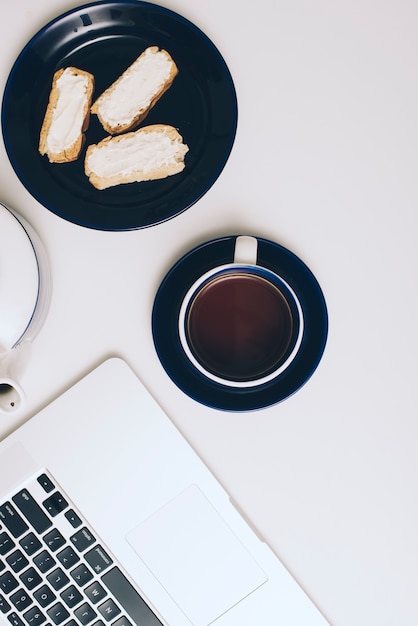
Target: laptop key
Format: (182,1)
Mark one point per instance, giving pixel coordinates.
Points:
(83,539)
(68,557)
(34,617)
(73,518)
(109,610)
(71,596)
(129,598)
(58,613)
(46,483)
(15,620)
(4,605)
(81,574)
(122,621)
(44,561)
(55,504)
(21,600)
(85,614)
(30,578)
(32,511)
(6,543)
(8,582)
(44,596)
(17,561)
(54,540)
(30,544)
(95,592)
(57,579)
(98,559)
(12,520)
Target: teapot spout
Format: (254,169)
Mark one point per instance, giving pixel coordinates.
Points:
(11,396)
(12,364)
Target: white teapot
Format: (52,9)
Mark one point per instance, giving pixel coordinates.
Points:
(24,301)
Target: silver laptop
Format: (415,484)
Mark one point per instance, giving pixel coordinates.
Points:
(107,516)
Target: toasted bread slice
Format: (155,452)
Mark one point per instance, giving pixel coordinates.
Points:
(67,115)
(150,153)
(124,104)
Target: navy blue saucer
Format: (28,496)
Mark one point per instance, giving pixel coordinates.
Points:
(166,335)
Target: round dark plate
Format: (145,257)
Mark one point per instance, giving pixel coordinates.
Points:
(166,335)
(104,38)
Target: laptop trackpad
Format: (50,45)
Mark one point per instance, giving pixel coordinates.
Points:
(196,557)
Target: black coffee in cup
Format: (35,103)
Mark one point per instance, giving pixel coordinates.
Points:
(240,326)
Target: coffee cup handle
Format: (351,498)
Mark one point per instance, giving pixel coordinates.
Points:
(246,250)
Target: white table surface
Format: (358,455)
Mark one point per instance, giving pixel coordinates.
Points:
(325,163)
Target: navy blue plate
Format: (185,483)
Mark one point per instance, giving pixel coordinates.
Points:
(166,335)
(104,38)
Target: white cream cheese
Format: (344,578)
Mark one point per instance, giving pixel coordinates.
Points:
(135,89)
(68,114)
(136,152)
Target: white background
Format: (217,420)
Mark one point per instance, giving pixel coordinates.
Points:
(325,163)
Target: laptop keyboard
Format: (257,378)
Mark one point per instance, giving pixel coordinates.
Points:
(53,570)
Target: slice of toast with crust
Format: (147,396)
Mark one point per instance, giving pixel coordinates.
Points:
(125,104)
(150,153)
(67,115)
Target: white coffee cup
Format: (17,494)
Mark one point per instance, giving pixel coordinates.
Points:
(24,301)
(241,324)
